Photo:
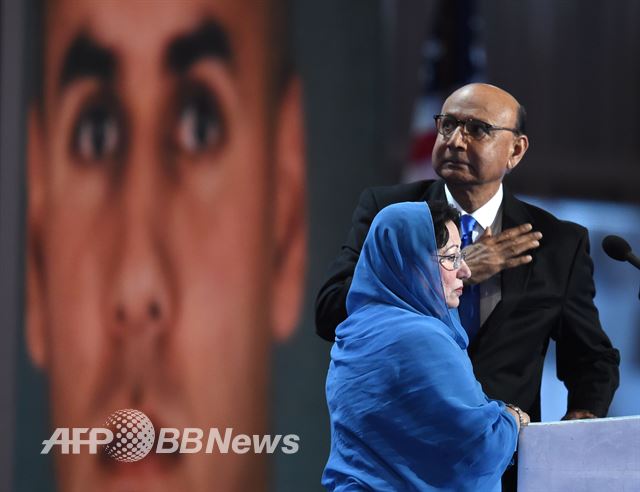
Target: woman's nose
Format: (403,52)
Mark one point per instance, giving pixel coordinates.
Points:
(464,271)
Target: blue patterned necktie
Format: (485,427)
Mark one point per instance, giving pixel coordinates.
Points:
(469,308)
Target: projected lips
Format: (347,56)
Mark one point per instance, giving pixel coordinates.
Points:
(133,435)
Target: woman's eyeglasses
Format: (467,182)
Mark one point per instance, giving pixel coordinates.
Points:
(451,262)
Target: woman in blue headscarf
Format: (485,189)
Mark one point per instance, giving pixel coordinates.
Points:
(406,410)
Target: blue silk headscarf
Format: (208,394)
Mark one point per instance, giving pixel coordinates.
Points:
(407,413)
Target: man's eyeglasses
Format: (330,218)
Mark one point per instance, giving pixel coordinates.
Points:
(476,129)
(452,262)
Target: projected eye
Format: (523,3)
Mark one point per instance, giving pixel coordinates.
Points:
(199,126)
(96,135)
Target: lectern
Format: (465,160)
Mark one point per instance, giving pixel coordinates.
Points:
(580,456)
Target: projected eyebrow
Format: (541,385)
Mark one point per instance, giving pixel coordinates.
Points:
(86,58)
(208,41)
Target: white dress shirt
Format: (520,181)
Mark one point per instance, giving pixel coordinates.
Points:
(490,214)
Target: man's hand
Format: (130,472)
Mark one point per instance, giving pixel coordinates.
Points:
(579,414)
(491,254)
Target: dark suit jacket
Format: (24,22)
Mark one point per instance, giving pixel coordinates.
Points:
(551,297)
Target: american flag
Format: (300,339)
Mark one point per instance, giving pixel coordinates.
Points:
(453,55)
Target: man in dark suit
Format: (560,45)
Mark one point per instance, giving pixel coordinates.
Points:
(524,290)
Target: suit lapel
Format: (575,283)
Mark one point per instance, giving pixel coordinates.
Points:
(435,192)
(513,280)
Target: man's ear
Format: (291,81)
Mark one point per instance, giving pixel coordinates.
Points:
(520,146)
(290,213)
(35,325)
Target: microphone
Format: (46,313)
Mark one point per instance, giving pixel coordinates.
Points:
(619,249)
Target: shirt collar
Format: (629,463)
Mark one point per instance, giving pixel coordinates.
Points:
(486,214)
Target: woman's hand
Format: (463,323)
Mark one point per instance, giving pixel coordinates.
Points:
(522,417)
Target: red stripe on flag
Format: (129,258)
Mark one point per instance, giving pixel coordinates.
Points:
(422,146)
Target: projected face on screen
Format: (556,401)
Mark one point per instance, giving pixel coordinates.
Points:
(166,228)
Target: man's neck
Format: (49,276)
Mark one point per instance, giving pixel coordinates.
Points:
(472,197)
